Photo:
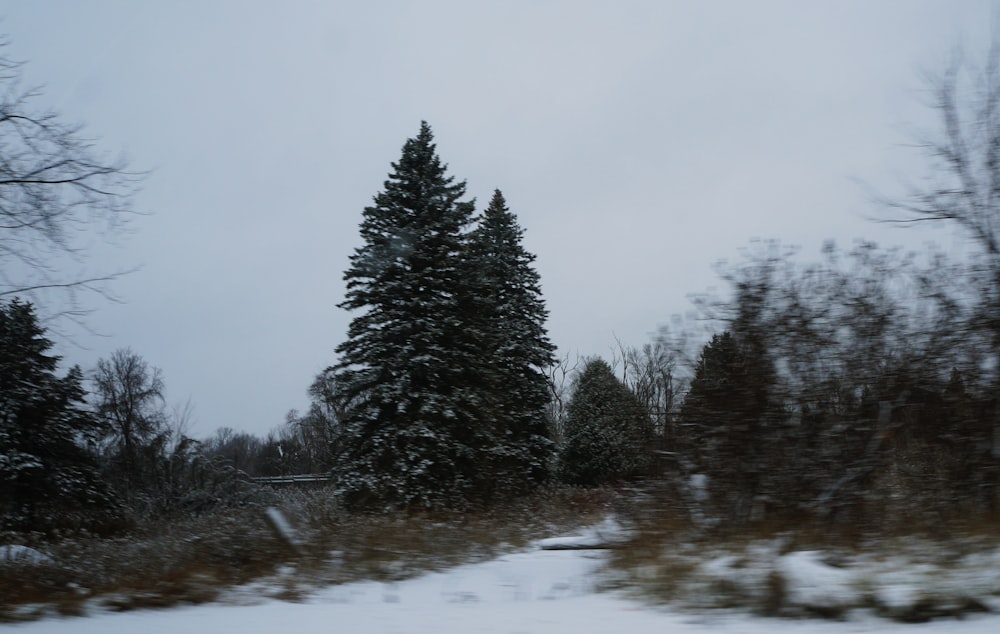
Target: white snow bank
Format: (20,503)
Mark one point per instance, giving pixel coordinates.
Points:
(13,552)
(816,585)
(601,535)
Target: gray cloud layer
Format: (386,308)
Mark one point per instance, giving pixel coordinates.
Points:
(638,142)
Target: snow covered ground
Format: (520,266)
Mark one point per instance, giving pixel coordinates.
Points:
(536,591)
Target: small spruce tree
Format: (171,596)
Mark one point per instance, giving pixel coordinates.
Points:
(607,429)
(725,418)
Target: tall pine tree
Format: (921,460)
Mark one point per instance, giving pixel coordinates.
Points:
(412,367)
(513,315)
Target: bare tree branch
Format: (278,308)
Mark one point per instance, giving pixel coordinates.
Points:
(56,191)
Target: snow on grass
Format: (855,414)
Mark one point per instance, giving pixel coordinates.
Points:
(908,580)
(815,585)
(544,592)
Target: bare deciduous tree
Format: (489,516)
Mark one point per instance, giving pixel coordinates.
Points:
(651,373)
(963,183)
(559,376)
(56,189)
(130,403)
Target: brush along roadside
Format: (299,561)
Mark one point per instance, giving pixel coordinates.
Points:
(234,554)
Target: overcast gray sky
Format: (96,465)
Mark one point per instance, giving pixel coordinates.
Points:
(638,142)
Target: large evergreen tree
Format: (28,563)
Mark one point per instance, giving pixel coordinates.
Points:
(412,368)
(513,315)
(48,479)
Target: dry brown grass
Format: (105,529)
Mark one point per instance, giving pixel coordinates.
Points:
(195,560)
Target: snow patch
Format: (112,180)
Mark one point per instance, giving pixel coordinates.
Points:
(816,585)
(603,535)
(15,552)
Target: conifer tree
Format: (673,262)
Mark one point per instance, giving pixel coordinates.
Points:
(412,367)
(48,479)
(724,391)
(725,415)
(607,429)
(513,315)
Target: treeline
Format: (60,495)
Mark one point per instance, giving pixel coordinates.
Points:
(438,400)
(859,389)
(96,451)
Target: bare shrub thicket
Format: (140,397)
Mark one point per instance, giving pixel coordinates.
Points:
(856,389)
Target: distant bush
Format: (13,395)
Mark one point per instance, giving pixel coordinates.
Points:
(607,431)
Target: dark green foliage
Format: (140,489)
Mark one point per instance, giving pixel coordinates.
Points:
(48,479)
(413,365)
(439,397)
(727,389)
(723,420)
(607,430)
(512,313)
